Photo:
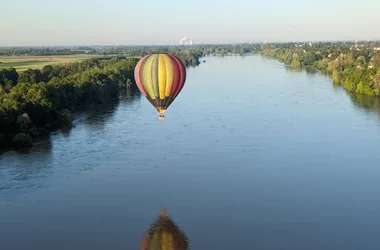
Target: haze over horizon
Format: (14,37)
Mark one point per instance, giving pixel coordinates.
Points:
(165,22)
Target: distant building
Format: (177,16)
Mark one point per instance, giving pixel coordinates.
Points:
(186,41)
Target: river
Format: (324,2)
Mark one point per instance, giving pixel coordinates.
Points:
(250,155)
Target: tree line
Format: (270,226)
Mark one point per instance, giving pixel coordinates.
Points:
(191,52)
(45,51)
(355,66)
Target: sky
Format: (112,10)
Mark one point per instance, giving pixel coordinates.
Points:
(148,22)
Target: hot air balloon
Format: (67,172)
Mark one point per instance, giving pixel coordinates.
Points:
(160,78)
(164,234)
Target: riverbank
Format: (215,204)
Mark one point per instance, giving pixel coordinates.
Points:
(357,70)
(38,102)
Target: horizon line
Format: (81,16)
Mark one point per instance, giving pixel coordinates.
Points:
(196,44)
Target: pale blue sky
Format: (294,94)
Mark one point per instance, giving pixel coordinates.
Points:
(112,22)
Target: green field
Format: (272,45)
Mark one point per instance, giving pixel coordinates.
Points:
(22,63)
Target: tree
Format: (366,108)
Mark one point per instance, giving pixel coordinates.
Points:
(47,72)
(8,77)
(23,121)
(361,61)
(376,60)
(31,76)
(375,80)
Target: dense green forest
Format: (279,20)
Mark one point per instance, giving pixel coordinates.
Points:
(355,66)
(36,102)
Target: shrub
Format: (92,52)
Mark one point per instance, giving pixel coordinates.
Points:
(65,118)
(22,140)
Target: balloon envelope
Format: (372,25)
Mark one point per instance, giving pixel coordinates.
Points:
(160,78)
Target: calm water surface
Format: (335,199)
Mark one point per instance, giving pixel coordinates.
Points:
(250,156)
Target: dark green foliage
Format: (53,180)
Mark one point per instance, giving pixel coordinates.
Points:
(8,77)
(22,140)
(65,118)
(31,76)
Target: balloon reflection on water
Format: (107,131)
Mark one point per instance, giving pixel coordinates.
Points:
(164,234)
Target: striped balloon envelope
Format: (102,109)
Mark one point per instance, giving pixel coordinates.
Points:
(160,78)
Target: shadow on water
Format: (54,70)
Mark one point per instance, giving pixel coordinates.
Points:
(370,104)
(27,166)
(66,131)
(129,96)
(291,69)
(40,148)
(308,70)
(96,116)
